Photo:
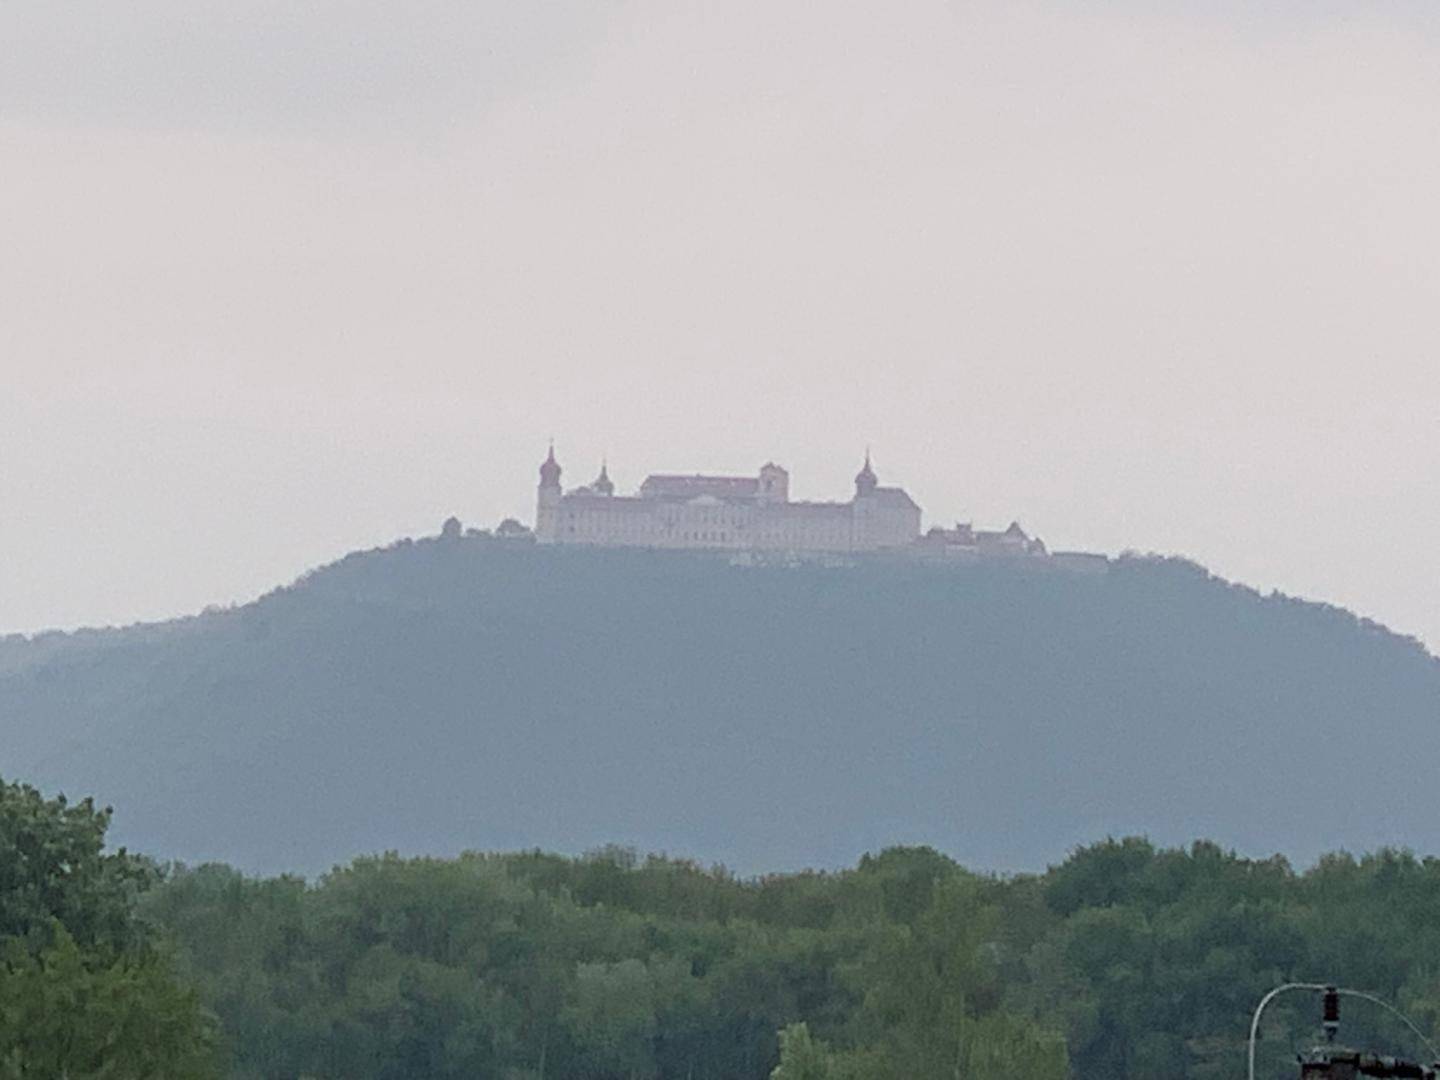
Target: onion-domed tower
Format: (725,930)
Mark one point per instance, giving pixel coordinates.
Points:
(547,510)
(863,510)
(603,484)
(865,480)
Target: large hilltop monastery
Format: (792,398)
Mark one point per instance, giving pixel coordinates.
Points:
(751,513)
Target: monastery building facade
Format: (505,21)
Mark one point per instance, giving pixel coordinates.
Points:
(739,513)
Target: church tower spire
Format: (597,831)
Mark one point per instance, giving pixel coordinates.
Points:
(550,469)
(547,508)
(603,484)
(865,480)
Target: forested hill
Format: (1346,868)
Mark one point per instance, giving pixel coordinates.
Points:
(471,693)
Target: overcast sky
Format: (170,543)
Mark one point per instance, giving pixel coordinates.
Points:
(282,280)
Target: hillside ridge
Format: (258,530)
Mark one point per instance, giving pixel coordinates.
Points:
(437,695)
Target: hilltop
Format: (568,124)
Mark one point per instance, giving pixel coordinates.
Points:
(440,695)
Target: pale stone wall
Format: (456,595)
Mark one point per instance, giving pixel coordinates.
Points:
(895,527)
(881,522)
(728,525)
(806,527)
(763,521)
(547,515)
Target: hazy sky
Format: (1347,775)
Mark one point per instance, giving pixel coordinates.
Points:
(281,280)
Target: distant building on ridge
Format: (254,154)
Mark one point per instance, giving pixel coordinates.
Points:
(741,513)
(756,514)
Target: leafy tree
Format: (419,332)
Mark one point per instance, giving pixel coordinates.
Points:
(612,1018)
(1002,1046)
(54,869)
(802,1057)
(68,1014)
(84,991)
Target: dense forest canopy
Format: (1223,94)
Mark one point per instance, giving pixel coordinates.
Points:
(1125,962)
(472,693)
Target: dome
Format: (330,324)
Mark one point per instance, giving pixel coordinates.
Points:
(866,480)
(550,470)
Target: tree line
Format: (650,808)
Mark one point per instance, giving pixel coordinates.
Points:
(1124,962)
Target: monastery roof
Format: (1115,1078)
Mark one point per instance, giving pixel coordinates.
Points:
(688,487)
(890,497)
(814,509)
(962,533)
(593,498)
(1013,536)
(895,497)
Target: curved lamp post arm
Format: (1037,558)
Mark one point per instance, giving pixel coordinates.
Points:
(1286,987)
(1259,1009)
(1434,1054)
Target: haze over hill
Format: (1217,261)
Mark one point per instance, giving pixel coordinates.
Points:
(472,693)
(280,279)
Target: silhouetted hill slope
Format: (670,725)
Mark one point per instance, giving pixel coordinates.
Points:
(444,695)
